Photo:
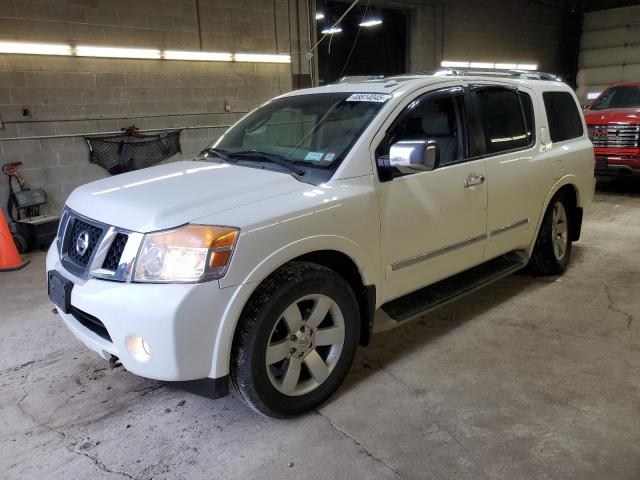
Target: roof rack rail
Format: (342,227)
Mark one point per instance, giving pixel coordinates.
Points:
(358,78)
(491,72)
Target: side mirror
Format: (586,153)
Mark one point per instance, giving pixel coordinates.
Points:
(412,156)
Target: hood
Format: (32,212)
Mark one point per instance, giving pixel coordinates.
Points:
(612,115)
(173,194)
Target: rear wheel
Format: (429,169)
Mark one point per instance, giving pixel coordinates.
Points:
(296,340)
(552,251)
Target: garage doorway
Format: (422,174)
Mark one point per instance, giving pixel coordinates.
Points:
(378,49)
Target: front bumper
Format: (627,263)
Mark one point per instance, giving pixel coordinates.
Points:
(617,163)
(179,322)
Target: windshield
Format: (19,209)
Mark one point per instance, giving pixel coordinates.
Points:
(619,97)
(312,130)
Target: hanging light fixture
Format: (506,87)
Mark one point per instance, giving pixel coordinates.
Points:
(319,15)
(331,30)
(371,22)
(371,17)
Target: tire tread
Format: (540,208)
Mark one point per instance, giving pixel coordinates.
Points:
(240,371)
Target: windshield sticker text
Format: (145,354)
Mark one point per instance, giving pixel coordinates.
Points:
(368,97)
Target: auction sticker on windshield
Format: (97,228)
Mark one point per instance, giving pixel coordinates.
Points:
(314,156)
(369,97)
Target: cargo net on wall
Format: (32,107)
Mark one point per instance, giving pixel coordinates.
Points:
(130,150)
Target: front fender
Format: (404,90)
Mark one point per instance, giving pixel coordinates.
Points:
(279,257)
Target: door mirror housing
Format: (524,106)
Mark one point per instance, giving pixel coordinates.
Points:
(415,155)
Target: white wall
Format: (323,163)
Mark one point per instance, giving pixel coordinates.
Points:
(609,49)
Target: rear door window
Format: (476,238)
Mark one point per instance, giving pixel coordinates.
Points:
(565,120)
(502,114)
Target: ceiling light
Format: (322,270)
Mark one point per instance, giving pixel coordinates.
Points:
(319,15)
(507,66)
(527,66)
(86,51)
(452,63)
(203,56)
(35,48)
(482,65)
(372,22)
(331,31)
(260,57)
(593,95)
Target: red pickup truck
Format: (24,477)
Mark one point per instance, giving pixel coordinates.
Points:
(613,120)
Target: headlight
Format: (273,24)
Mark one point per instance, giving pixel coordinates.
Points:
(193,253)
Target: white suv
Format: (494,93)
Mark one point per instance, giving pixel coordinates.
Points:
(321,217)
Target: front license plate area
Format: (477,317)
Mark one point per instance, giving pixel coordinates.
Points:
(60,291)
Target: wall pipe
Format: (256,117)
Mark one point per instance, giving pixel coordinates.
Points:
(80,135)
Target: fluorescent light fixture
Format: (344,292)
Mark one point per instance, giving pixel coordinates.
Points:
(331,31)
(35,48)
(372,22)
(87,51)
(319,15)
(203,56)
(142,53)
(261,57)
(453,63)
(482,65)
(500,66)
(593,95)
(506,66)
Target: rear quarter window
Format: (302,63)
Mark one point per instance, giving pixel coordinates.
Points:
(563,115)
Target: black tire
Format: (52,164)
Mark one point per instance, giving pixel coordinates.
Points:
(249,377)
(545,261)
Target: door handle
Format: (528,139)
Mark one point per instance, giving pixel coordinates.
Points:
(474,179)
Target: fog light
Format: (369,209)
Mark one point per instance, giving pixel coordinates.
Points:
(138,348)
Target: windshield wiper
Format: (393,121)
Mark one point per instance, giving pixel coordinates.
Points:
(221,154)
(265,157)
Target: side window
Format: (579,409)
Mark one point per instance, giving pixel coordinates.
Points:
(503,119)
(433,116)
(565,120)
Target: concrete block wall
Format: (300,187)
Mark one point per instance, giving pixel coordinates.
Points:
(504,31)
(513,31)
(67,97)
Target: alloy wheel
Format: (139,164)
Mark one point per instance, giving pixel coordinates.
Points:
(559,230)
(305,345)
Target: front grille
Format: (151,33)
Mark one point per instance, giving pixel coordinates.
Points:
(77,252)
(614,135)
(112,260)
(91,322)
(92,248)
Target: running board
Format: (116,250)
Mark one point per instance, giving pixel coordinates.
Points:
(429,298)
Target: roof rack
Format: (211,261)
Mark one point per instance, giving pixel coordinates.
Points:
(490,72)
(358,78)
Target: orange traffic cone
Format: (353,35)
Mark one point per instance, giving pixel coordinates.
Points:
(9,256)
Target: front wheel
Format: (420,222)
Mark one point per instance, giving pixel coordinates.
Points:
(295,341)
(552,250)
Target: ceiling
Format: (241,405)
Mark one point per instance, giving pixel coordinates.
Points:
(585,6)
(593,5)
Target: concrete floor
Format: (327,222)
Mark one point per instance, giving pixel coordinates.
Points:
(528,379)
